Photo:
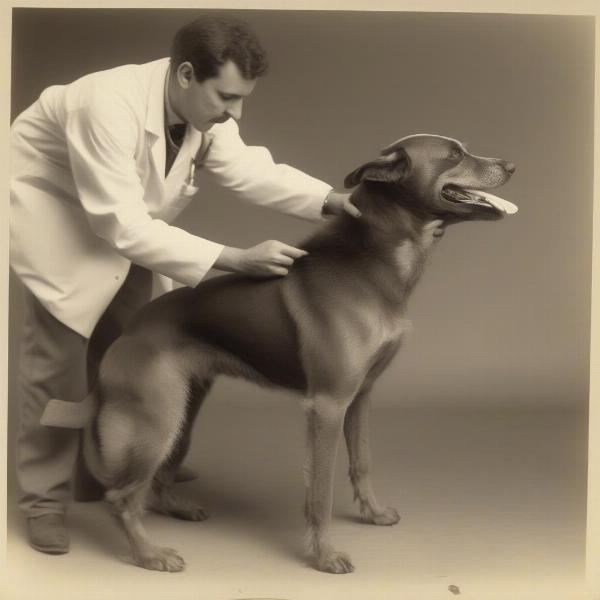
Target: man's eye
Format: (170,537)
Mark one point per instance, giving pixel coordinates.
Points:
(456,153)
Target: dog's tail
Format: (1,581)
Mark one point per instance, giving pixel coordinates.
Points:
(72,415)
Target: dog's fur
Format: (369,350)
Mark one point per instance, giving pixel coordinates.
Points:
(327,330)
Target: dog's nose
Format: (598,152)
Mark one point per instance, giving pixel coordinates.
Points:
(510,167)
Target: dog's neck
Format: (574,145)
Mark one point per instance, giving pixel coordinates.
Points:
(391,218)
(392,235)
(391,208)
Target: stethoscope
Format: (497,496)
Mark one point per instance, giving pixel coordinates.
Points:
(189,187)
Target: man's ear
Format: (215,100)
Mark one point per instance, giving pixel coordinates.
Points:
(185,74)
(389,168)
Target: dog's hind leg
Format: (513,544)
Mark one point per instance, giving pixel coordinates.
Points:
(138,424)
(163,498)
(128,505)
(356,431)
(325,417)
(130,463)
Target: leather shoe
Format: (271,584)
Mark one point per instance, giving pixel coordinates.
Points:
(48,533)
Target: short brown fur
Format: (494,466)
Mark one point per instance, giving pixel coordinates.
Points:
(327,330)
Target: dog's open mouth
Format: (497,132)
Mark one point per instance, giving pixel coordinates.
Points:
(454,193)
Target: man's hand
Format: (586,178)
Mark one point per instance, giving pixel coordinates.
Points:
(336,204)
(263,260)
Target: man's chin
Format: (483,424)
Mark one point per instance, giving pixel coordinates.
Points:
(203,127)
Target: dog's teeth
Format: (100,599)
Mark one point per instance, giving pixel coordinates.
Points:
(457,195)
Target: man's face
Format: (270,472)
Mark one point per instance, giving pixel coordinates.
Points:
(213,100)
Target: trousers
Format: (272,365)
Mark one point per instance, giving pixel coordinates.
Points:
(57,362)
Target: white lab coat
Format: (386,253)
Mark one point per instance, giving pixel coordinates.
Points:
(89,195)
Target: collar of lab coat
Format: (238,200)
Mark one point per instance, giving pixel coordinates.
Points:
(172,118)
(155,126)
(155,117)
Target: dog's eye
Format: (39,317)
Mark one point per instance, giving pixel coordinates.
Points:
(456,153)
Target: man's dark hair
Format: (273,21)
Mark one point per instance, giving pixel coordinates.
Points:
(210,41)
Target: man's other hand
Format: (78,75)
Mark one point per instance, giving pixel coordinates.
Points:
(336,204)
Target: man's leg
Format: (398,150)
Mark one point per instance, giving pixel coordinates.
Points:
(52,365)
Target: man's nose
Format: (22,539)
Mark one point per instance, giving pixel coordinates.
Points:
(234,110)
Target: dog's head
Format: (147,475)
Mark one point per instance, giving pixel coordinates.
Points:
(440,177)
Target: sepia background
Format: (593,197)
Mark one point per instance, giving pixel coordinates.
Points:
(479,425)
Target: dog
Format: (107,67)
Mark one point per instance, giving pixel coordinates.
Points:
(326,331)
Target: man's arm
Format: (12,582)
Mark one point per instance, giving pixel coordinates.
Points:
(101,138)
(252,175)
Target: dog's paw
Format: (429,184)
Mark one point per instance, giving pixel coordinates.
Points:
(161,559)
(179,507)
(335,562)
(389,516)
(189,513)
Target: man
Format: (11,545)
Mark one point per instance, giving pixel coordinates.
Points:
(99,168)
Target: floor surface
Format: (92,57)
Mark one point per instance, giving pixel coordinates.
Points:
(492,505)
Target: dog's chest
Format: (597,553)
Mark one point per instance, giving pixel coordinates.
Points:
(406,258)
(410,254)
(391,329)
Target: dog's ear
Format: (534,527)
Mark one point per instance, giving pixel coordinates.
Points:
(392,167)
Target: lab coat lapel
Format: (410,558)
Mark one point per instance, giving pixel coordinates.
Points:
(155,121)
(155,130)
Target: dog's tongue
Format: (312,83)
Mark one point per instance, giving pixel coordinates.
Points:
(499,203)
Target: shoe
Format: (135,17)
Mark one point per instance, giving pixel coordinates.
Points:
(48,533)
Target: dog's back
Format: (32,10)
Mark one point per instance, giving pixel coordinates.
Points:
(236,315)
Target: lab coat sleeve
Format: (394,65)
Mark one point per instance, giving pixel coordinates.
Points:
(101,137)
(251,174)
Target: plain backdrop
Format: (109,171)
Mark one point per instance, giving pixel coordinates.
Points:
(502,314)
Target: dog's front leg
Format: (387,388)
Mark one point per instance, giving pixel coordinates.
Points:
(356,431)
(325,416)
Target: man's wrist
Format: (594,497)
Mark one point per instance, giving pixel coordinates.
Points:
(229,259)
(326,206)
